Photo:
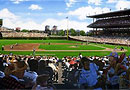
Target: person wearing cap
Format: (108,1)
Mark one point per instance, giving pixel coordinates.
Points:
(13,72)
(88,78)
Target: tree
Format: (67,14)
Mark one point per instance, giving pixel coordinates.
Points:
(73,32)
(61,33)
(25,30)
(82,33)
(90,33)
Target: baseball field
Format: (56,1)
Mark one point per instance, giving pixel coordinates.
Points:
(58,48)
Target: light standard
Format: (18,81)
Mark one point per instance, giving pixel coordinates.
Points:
(67,27)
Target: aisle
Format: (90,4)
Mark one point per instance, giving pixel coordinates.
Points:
(60,79)
(60,85)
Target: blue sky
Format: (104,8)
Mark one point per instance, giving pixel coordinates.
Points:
(35,14)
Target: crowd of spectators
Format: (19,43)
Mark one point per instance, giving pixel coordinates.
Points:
(27,72)
(41,72)
(112,22)
(104,39)
(108,72)
(23,34)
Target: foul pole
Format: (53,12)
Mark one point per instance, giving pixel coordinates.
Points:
(67,28)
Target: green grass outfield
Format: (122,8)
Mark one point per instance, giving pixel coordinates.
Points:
(60,54)
(70,47)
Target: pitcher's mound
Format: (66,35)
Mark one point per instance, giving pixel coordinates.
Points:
(73,46)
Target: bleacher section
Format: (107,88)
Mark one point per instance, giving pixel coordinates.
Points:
(23,34)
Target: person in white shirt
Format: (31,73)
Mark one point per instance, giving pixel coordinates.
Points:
(55,69)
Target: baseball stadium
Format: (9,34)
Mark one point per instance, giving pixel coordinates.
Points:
(61,61)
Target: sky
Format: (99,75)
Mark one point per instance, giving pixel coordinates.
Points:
(36,14)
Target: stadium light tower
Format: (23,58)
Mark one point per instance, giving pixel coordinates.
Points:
(67,27)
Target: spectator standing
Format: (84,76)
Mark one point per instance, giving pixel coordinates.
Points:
(80,55)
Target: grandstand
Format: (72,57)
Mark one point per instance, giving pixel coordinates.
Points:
(11,33)
(113,23)
(111,28)
(23,34)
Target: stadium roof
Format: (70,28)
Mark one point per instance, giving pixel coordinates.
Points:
(111,14)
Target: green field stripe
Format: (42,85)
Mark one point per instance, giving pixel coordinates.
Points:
(70,47)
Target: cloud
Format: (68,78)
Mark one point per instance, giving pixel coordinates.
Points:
(70,3)
(11,20)
(122,4)
(31,25)
(82,12)
(96,2)
(59,14)
(112,1)
(35,7)
(62,24)
(18,1)
(5,13)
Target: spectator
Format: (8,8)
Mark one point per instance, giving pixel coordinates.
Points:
(112,77)
(88,76)
(43,68)
(42,84)
(55,69)
(2,74)
(13,73)
(80,55)
(33,64)
(31,75)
